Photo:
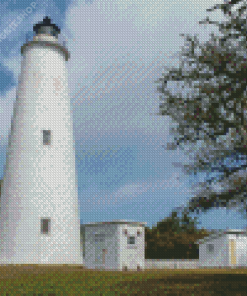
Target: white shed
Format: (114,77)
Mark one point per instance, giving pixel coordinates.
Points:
(226,248)
(116,245)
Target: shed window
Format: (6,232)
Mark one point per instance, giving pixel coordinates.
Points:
(46,137)
(45,225)
(99,237)
(131,240)
(210,248)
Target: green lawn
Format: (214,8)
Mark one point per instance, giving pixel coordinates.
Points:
(19,280)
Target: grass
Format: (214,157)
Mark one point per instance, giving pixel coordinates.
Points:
(71,280)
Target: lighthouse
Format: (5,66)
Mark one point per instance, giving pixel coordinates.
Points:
(39,200)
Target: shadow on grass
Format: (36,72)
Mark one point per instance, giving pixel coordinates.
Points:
(214,284)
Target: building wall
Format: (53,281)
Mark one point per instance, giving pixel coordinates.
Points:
(220,256)
(118,253)
(230,250)
(132,255)
(241,250)
(98,238)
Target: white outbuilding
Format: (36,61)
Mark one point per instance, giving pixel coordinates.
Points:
(115,245)
(226,248)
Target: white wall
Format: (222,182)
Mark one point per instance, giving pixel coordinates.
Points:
(40,180)
(119,252)
(241,247)
(220,255)
(109,242)
(171,263)
(222,252)
(132,255)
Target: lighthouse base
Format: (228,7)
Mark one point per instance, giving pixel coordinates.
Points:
(15,262)
(51,260)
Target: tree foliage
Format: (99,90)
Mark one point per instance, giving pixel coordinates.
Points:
(211,123)
(173,238)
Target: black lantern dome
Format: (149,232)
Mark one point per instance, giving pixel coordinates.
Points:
(45,27)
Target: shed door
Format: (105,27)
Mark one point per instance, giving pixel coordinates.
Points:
(233,251)
(104,254)
(100,250)
(99,246)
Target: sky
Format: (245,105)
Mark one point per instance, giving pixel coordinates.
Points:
(118,50)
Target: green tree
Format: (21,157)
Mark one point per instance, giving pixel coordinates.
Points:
(228,5)
(211,124)
(174,238)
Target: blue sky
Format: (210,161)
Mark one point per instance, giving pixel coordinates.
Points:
(118,49)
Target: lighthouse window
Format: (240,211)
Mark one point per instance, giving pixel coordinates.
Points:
(45,226)
(131,240)
(46,137)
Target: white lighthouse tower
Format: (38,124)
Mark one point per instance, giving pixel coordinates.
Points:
(39,201)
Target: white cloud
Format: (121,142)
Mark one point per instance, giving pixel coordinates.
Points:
(13,64)
(132,192)
(118,49)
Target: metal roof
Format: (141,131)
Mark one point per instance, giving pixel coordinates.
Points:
(46,23)
(116,222)
(218,234)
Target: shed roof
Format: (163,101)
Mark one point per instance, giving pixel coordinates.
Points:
(116,222)
(220,233)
